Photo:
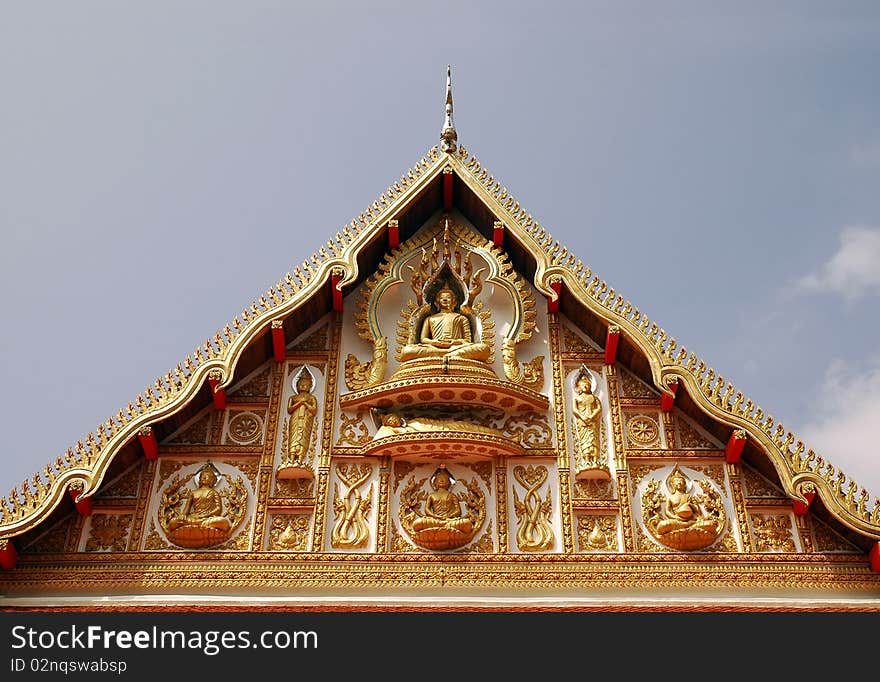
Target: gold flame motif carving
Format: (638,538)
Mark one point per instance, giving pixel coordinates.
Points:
(687,515)
(442,524)
(202,516)
(534,533)
(350,528)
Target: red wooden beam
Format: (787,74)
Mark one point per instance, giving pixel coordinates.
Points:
(667,400)
(8,555)
(556,285)
(279,344)
(498,234)
(874,556)
(84,505)
(611,340)
(447,189)
(219,394)
(148,442)
(393,234)
(808,490)
(735,445)
(335,279)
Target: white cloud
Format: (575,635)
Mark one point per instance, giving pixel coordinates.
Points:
(844,428)
(854,270)
(867,154)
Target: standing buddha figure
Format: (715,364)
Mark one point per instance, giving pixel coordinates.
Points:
(587,411)
(302,408)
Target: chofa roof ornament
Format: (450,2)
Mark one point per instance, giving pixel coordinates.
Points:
(448,136)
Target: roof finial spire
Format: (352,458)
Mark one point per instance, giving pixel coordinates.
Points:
(448,136)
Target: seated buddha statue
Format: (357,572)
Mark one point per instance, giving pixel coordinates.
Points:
(443,509)
(681,509)
(202,508)
(446,333)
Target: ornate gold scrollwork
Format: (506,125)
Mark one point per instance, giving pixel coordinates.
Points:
(361,375)
(441,524)
(534,533)
(108,532)
(202,516)
(529,374)
(597,533)
(772,533)
(350,527)
(681,519)
(289,532)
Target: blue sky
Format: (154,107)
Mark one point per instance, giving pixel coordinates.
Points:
(162,164)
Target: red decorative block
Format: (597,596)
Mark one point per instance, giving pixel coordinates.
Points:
(8,555)
(279,343)
(735,445)
(148,442)
(393,234)
(799,507)
(447,190)
(667,400)
(335,279)
(498,234)
(612,338)
(875,557)
(553,304)
(84,506)
(218,393)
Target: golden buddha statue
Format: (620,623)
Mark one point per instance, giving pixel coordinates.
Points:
(586,422)
(302,408)
(443,509)
(446,333)
(440,519)
(393,424)
(587,409)
(200,521)
(681,519)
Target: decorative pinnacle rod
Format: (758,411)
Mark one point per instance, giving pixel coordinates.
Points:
(448,136)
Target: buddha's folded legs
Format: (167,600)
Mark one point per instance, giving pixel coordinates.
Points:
(462,525)
(468,351)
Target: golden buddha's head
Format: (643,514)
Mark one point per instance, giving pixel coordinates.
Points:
(304,381)
(207,476)
(584,383)
(676,481)
(445,300)
(441,478)
(392,419)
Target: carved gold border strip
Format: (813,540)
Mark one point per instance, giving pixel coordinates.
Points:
(411,570)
